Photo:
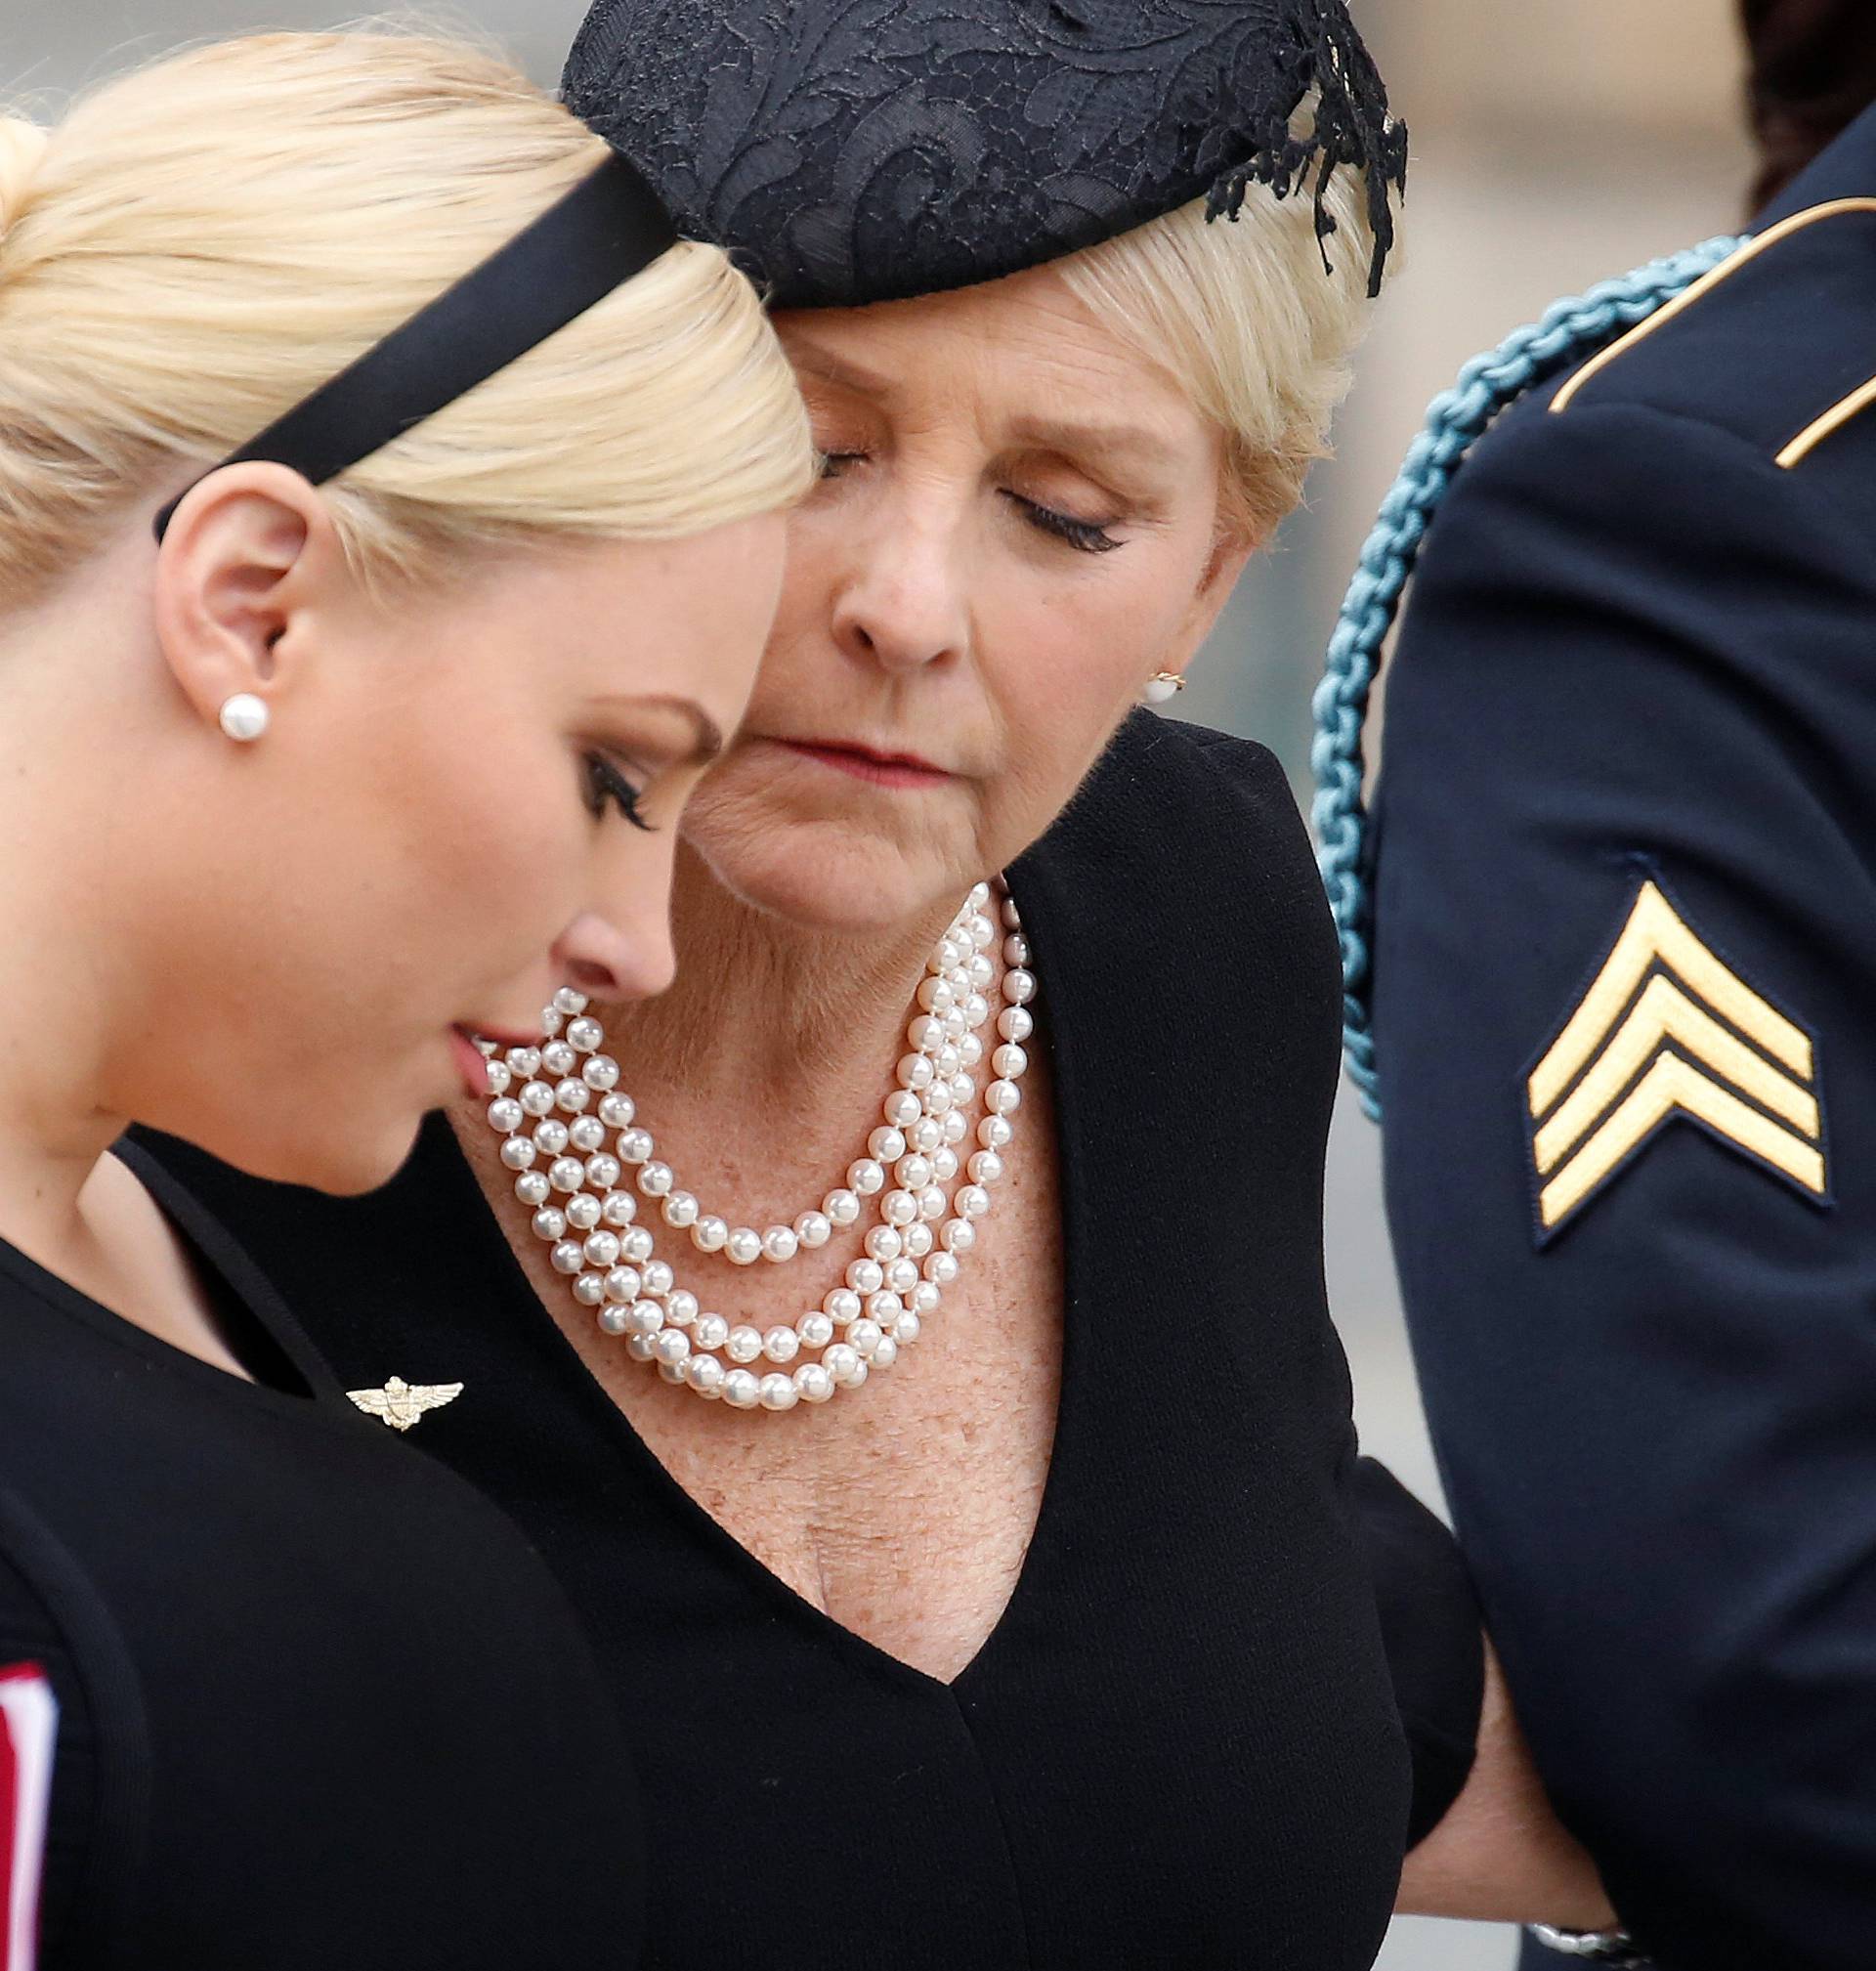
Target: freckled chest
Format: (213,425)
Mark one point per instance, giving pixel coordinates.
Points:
(902,1510)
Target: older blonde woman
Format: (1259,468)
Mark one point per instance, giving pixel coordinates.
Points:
(329,752)
(906,1338)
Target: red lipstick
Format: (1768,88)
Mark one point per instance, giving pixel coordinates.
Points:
(869,763)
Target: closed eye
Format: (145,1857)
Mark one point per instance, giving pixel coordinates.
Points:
(1091,537)
(606,786)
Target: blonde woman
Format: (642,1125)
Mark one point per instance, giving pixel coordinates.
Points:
(953,1459)
(322,752)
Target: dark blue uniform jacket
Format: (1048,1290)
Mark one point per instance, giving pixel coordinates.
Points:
(1625,1008)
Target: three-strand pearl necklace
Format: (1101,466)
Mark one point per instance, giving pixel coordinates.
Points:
(556,1105)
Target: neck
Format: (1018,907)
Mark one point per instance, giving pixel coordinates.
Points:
(792,1032)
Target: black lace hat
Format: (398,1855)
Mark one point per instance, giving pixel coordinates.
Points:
(857,150)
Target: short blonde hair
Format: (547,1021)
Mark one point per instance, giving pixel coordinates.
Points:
(1243,313)
(199,244)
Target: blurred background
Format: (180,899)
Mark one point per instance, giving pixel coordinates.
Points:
(1553,145)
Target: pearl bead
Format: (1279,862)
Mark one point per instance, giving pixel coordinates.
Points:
(779,1244)
(500,1077)
(589,1290)
(570,1001)
(985,1168)
(623,1284)
(938,1097)
(674,1347)
(866,1178)
(980,971)
(635,1145)
(518,1153)
(865,1334)
(710,1331)
(567,1174)
(1012,917)
(983,933)
(741,1389)
(926,1295)
(943,1163)
(582,1211)
(1003,1098)
(864,1276)
(572,1098)
(906,1329)
(613,1321)
(745,1343)
(645,1317)
(901,1276)
(963,1090)
(883,1310)
(620,1209)
(884,1244)
(970,1051)
(616,1112)
(635,1243)
(641,1347)
(670,1372)
(815,1330)
(551,1223)
(1016,950)
(957,1126)
(708,1234)
(1019,987)
(781,1345)
(814,1383)
(977,1010)
(681,1307)
(550,1137)
(886,1145)
(523,1061)
(932,1203)
(505,1115)
(1009,1060)
(603,1172)
(845,1364)
(914,1172)
(898,1208)
(551,1021)
(601,1249)
(994,1132)
(680,1211)
(532,1188)
(925,1033)
(903,1109)
(600,1073)
(705,1374)
(659,1279)
(918,1240)
(779,1392)
(813,1229)
(928,1134)
(743,1247)
(558,1059)
(956,1026)
(947,1061)
(587,1035)
(937,996)
(841,1305)
(567,1257)
(944,954)
(842,1208)
(914,1071)
(655,1179)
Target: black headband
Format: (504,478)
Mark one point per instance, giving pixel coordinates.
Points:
(609,228)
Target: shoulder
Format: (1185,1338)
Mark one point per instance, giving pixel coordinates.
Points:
(1764,364)
(1159,774)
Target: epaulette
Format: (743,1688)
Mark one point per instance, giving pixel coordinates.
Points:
(1772,345)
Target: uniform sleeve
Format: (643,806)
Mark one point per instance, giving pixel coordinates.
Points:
(1625,973)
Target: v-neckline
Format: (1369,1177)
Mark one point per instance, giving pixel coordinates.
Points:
(700,1522)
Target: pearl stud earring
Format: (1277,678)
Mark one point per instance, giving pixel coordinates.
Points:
(244,716)
(1160,686)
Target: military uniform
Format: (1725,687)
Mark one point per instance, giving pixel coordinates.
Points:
(1624,1006)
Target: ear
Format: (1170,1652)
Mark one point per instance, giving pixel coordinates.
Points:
(248,555)
(1230,555)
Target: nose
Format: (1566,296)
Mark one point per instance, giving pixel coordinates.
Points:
(902,605)
(606,963)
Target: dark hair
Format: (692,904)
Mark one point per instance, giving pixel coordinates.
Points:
(1813,73)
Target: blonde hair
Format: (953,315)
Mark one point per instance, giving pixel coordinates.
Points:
(1243,314)
(199,244)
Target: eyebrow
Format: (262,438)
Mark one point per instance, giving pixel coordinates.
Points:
(1134,442)
(706,736)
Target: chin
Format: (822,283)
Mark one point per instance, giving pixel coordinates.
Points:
(343,1161)
(822,876)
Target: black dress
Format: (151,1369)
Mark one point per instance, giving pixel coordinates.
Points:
(1180,1745)
(320,1704)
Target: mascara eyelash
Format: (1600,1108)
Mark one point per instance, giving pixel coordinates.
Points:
(605,783)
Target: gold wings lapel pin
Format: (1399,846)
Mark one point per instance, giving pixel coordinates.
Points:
(1666,1029)
(399,1403)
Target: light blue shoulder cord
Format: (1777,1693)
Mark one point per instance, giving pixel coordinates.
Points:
(1570,329)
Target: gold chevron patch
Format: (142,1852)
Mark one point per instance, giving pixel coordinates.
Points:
(1666,1029)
